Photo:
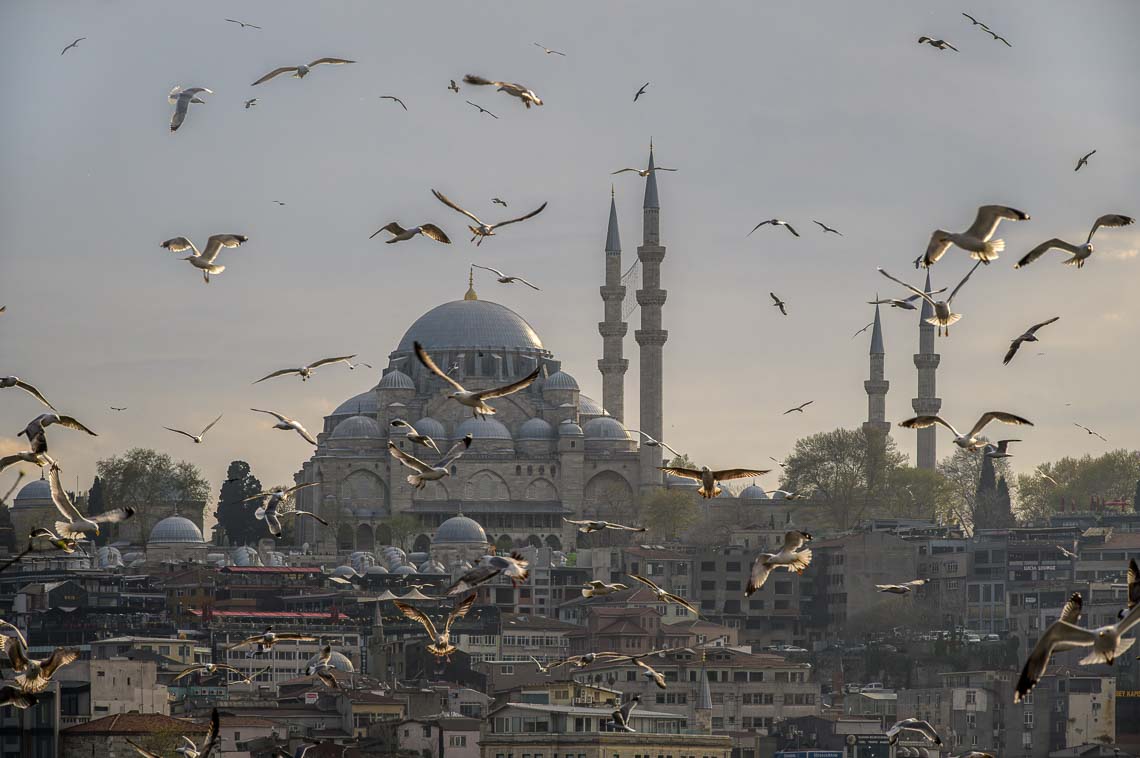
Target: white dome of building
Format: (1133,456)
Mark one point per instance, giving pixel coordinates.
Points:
(536,429)
(605,428)
(560,380)
(175,529)
(431,427)
(483,429)
(363,404)
(460,529)
(753,492)
(358,427)
(338,661)
(396,380)
(471,323)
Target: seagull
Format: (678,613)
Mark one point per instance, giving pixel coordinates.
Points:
(1048,478)
(778,303)
(913,725)
(279,202)
(1090,431)
(792,555)
(73,44)
(588,526)
(300,72)
(115,408)
(581,661)
(499,201)
(286,423)
(709,479)
(940,44)
(650,442)
(643,172)
(33,675)
(453,86)
(209,669)
(774,222)
(641,91)
(306,371)
(414,436)
(865,328)
(77,525)
(476,400)
(243,24)
(427,472)
(269,511)
(400,234)
(906,303)
(1068,553)
(480,107)
(621,715)
(943,317)
(17,382)
(192,749)
(197,438)
(527,96)
(827,228)
(250,103)
(66,544)
(651,673)
(597,588)
(976,240)
(512,566)
(548,51)
(181,99)
(265,641)
(503,278)
(665,596)
(786,495)
(969,440)
(1079,252)
(483,230)
(205,260)
(999,450)
(1084,160)
(799,408)
(538,665)
(10,695)
(975,21)
(36,435)
(1030,335)
(904,588)
(440,645)
(323,669)
(393,97)
(997,37)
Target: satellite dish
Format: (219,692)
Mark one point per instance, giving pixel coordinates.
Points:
(851,739)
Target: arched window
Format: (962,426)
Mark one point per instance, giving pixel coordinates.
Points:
(364,538)
(486,485)
(518,470)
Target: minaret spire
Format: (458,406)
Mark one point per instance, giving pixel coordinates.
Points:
(470,294)
(651,337)
(613,364)
(876,384)
(927,403)
(651,183)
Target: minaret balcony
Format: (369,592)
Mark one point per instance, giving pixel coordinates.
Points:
(613,365)
(647,298)
(927,360)
(613,328)
(648,337)
(612,293)
(878,387)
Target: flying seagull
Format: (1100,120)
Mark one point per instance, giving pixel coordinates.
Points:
(512,566)
(774,222)
(943,317)
(651,673)
(205,260)
(301,71)
(799,408)
(480,107)
(243,24)
(1079,252)
(476,400)
(306,371)
(18,383)
(13,696)
(940,44)
(269,511)
(865,328)
(425,472)
(74,525)
(1084,160)
(286,423)
(323,669)
(264,642)
(1090,431)
(641,91)
(1000,450)
(710,480)
(482,230)
(1068,553)
(778,303)
(181,99)
(73,44)
(453,86)
(650,442)
(975,21)
(597,588)
(440,645)
(33,674)
(499,201)
(643,172)
(665,596)
(827,228)
(400,234)
(354,366)
(1030,335)
(503,278)
(976,240)
(792,556)
(40,459)
(523,93)
(250,103)
(393,97)
(587,526)
(196,437)
(787,495)
(279,202)
(969,440)
(414,436)
(36,435)
(998,37)
(903,588)
(913,725)
(538,665)
(621,715)
(209,669)
(548,51)
(906,303)
(1050,479)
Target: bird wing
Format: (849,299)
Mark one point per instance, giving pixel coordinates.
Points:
(579,523)
(647,582)
(114,517)
(496,271)
(142,750)
(533,213)
(1033,329)
(398,422)
(188,671)
(34,393)
(758,226)
(524,281)
(443,199)
(988,218)
(393,97)
(917,292)
(407,459)
(279,372)
(71,423)
(59,496)
(210,425)
(1013,348)
(791,228)
(330,61)
(456,450)
(59,657)
(283,419)
(1071,611)
(431,231)
(511,388)
(627,528)
(294,637)
(965,279)
(459,612)
(623,170)
(297,487)
(179,245)
(304,433)
(415,614)
(215,243)
(793,541)
(1007,418)
(728,474)
(310,514)
(1045,247)
(684,473)
(921,422)
(1035,664)
(327,361)
(16,649)
(936,248)
(273,73)
(181,105)
(178,431)
(1109,219)
(394,227)
(429,364)
(775,299)
(206,749)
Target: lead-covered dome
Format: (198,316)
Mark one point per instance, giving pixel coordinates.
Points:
(753,492)
(605,428)
(560,380)
(358,427)
(364,403)
(588,406)
(536,429)
(176,529)
(33,494)
(483,429)
(396,380)
(432,428)
(471,323)
(460,529)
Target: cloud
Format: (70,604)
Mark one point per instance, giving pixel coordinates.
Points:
(1123,255)
(1114,316)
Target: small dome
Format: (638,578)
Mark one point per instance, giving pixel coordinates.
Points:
(338,661)
(536,429)
(432,428)
(432,567)
(175,529)
(569,429)
(416,559)
(344,572)
(680,482)
(108,557)
(405,570)
(34,493)
(725,492)
(483,429)
(245,556)
(778,495)
(588,406)
(560,380)
(753,492)
(363,404)
(358,428)
(606,428)
(372,570)
(396,380)
(460,529)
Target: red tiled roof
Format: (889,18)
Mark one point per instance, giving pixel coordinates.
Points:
(270,614)
(271,570)
(137,723)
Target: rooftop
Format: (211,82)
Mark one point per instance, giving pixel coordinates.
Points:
(137,723)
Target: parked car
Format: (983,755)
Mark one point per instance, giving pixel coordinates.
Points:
(872,686)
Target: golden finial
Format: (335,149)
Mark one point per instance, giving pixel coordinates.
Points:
(470,294)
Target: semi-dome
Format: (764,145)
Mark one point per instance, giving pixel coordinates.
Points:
(175,529)
(536,429)
(432,567)
(396,380)
(560,380)
(432,428)
(753,492)
(364,403)
(569,429)
(373,570)
(471,324)
(32,494)
(460,529)
(406,570)
(357,428)
(338,661)
(588,406)
(483,429)
(605,427)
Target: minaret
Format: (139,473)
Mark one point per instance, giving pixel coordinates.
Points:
(926,404)
(613,365)
(651,337)
(877,385)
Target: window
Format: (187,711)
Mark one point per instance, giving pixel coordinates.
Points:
(1027,740)
(457,740)
(732,566)
(971,697)
(1027,719)
(427,731)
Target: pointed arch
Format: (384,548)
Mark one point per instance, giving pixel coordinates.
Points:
(364,538)
(541,489)
(608,496)
(486,485)
(362,490)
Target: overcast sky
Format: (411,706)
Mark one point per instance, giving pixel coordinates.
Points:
(806,110)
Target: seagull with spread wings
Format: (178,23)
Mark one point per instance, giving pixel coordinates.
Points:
(826,229)
(597,588)
(799,408)
(36,435)
(774,222)
(181,100)
(395,99)
(621,715)
(40,459)
(778,303)
(977,239)
(548,51)
(76,525)
(80,39)
(1030,335)
(865,328)
(32,675)
(522,92)
(18,383)
(906,303)
(264,642)
(512,566)
(243,24)
(650,442)
(709,479)
(323,669)
(792,555)
(785,494)
(400,234)
(482,230)
(306,371)
(665,596)
(938,44)
(997,37)
(641,91)
(196,437)
(440,645)
(587,526)
(903,588)
(204,260)
(453,87)
(1000,450)
(975,21)
(287,424)
(1079,253)
(301,71)
(209,669)
(943,316)
(969,440)
(414,436)
(1090,431)
(1068,553)
(503,278)
(480,107)
(270,510)
(913,725)
(476,400)
(1084,160)
(643,172)
(426,472)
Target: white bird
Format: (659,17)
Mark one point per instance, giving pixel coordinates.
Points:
(1000,450)
(904,588)
(785,494)
(209,669)
(969,440)
(482,230)
(906,303)
(523,93)
(425,472)
(76,526)
(650,442)
(512,566)
(1068,553)
(587,526)
(778,303)
(651,673)
(1084,160)
(1090,431)
(323,669)
(440,645)
(476,400)
(774,222)
(40,459)
(799,408)
(286,423)
(621,715)
(36,435)
(666,596)
(710,479)
(414,436)
(269,511)
(913,725)
(400,234)
(598,588)
(18,383)
(643,172)
(976,239)
(264,642)
(792,555)
(943,316)
(940,44)
(205,260)
(181,99)
(1030,335)
(503,278)
(33,675)
(306,371)
(196,437)
(354,366)
(548,51)
(1079,252)
(300,72)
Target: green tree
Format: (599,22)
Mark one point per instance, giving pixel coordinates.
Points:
(963,471)
(915,493)
(1136,497)
(142,478)
(402,526)
(682,461)
(669,513)
(1111,476)
(235,518)
(95,498)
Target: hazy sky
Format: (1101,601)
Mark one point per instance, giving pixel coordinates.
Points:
(805,110)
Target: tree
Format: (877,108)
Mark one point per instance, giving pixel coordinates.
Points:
(682,461)
(1136,497)
(1111,476)
(142,478)
(992,509)
(963,471)
(915,493)
(401,526)
(235,518)
(669,513)
(95,498)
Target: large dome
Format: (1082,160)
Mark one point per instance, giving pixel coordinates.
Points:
(358,427)
(364,403)
(483,429)
(460,529)
(338,661)
(176,529)
(32,494)
(471,323)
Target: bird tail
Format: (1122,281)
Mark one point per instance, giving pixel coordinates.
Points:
(706,494)
(953,318)
(1074,261)
(989,251)
(415,480)
(801,562)
(587,592)
(215,269)
(476,80)
(1098,657)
